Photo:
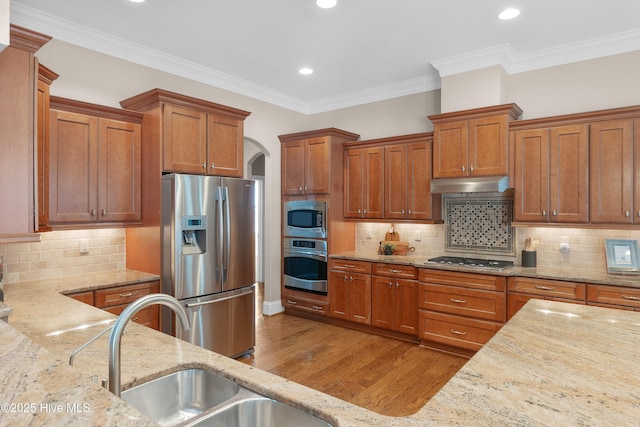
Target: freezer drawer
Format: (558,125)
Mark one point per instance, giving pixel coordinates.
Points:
(224,322)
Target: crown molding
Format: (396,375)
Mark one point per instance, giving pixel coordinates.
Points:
(514,63)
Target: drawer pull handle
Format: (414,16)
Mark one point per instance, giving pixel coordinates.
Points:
(544,288)
(453,331)
(129,294)
(292,302)
(317,307)
(391,270)
(135,319)
(350,266)
(631,297)
(459,301)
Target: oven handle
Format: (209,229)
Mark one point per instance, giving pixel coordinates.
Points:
(306,254)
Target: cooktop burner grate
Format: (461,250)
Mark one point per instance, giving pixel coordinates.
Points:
(491,264)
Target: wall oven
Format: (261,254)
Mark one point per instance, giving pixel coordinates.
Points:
(305,265)
(305,218)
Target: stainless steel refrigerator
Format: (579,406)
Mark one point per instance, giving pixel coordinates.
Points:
(208,260)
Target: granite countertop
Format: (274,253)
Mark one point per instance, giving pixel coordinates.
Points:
(5,310)
(559,273)
(551,364)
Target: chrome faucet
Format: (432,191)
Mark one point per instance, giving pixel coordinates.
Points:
(121,322)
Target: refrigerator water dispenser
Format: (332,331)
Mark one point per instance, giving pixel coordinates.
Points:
(194,234)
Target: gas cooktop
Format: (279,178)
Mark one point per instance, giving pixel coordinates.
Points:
(490,264)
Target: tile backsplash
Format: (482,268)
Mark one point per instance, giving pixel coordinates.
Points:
(58,254)
(586,246)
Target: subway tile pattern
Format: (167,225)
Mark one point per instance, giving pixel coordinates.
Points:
(479,224)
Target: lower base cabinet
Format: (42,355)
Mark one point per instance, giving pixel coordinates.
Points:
(456,331)
(522,289)
(295,301)
(394,298)
(116,298)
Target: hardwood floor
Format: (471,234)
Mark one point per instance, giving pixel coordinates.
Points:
(385,375)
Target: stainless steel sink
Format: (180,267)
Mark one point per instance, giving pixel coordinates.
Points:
(197,397)
(258,411)
(180,396)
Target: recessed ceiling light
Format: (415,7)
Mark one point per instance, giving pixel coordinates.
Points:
(136,1)
(509,14)
(326,4)
(305,71)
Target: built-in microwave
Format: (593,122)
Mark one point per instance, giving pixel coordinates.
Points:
(305,218)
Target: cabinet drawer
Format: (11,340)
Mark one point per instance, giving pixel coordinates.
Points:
(350,265)
(468,280)
(613,295)
(457,331)
(124,294)
(516,300)
(488,305)
(148,316)
(306,305)
(85,297)
(394,270)
(552,288)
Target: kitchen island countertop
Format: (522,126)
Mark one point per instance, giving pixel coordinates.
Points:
(551,364)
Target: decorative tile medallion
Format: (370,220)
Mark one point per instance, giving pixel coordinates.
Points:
(479,223)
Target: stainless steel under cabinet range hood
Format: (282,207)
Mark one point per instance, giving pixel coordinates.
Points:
(481,184)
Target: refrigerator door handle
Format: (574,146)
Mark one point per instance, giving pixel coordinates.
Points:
(227,237)
(219,233)
(213,301)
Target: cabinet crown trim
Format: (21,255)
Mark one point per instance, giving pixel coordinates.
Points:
(328,132)
(512,110)
(80,107)
(156,96)
(401,139)
(25,39)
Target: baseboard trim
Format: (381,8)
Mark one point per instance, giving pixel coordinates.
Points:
(269,308)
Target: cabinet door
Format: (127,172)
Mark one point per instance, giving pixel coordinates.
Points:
(316,166)
(488,146)
(395,181)
(569,174)
(360,298)
(43,151)
(339,294)
(119,180)
(611,172)
(450,149)
(373,183)
(185,140)
(531,198)
(406,306)
(383,302)
(73,183)
(419,181)
(293,167)
(225,146)
(353,182)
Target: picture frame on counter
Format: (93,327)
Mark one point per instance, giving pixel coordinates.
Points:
(622,256)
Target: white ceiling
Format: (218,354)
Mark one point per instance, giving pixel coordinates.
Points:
(361,50)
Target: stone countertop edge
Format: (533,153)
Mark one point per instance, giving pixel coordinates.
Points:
(5,310)
(550,273)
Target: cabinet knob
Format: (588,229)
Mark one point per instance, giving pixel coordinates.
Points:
(390,284)
(300,188)
(471,169)
(306,188)
(463,169)
(626,213)
(93,212)
(104,212)
(555,213)
(345,278)
(204,165)
(402,212)
(409,211)
(544,212)
(351,278)
(365,211)
(397,285)
(212,165)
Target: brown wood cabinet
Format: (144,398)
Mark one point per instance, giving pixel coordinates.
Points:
(364,182)
(522,289)
(45,78)
(18,100)
(552,174)
(305,302)
(350,290)
(407,180)
(196,136)
(460,310)
(472,142)
(619,297)
(394,297)
(115,299)
(614,168)
(95,164)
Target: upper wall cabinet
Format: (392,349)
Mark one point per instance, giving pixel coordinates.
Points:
(196,136)
(94,165)
(310,162)
(551,174)
(364,182)
(18,96)
(472,142)
(615,171)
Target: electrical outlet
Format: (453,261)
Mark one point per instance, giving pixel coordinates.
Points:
(84,246)
(418,236)
(565,247)
(369,233)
